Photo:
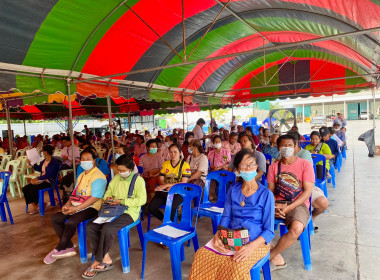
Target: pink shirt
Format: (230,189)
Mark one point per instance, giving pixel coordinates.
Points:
(219,159)
(68,151)
(301,169)
(233,149)
(150,163)
(140,149)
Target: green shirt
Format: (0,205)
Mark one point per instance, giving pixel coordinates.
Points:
(118,189)
(324,151)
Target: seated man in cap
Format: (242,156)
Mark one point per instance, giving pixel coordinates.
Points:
(326,138)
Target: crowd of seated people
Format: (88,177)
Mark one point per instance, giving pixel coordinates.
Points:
(166,160)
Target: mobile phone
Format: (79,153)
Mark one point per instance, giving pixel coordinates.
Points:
(108,201)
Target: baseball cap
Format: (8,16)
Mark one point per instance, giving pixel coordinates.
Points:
(324,131)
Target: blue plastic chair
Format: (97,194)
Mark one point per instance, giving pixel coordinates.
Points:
(264,177)
(339,162)
(332,173)
(189,192)
(268,157)
(3,198)
(264,264)
(307,137)
(304,239)
(124,243)
(140,169)
(343,150)
(82,239)
(223,177)
(303,144)
(320,183)
(51,196)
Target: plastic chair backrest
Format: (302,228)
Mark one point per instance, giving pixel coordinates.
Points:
(140,169)
(5,176)
(223,178)
(15,164)
(268,157)
(307,137)
(316,159)
(188,192)
(23,160)
(101,153)
(303,144)
(5,161)
(141,155)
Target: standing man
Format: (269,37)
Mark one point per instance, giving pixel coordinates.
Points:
(269,122)
(340,120)
(291,180)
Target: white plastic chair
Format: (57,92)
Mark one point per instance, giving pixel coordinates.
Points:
(22,169)
(101,153)
(13,180)
(5,160)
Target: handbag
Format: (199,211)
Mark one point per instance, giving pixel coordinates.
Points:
(108,210)
(288,186)
(234,239)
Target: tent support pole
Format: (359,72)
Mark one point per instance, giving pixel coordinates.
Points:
(374,109)
(111,128)
(183,114)
(24,128)
(71,130)
(10,136)
(232,110)
(129,113)
(210,119)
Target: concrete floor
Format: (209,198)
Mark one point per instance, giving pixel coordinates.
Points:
(345,246)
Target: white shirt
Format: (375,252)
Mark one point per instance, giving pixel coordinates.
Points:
(337,139)
(198,132)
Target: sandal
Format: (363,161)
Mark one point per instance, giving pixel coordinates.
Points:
(274,267)
(89,270)
(33,212)
(107,267)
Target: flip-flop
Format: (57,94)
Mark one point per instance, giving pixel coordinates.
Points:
(274,267)
(107,267)
(315,228)
(90,269)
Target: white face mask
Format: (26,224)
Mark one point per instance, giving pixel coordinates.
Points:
(86,165)
(218,146)
(287,152)
(167,144)
(125,174)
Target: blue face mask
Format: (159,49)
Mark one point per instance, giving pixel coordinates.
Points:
(248,175)
(153,151)
(189,150)
(117,156)
(86,165)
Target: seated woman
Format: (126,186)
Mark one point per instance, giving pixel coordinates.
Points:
(175,170)
(152,164)
(189,136)
(232,144)
(49,168)
(83,204)
(318,147)
(264,139)
(100,163)
(219,157)
(121,150)
(101,236)
(140,147)
(248,205)
(164,150)
(198,163)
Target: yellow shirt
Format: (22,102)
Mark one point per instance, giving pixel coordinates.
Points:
(92,184)
(171,173)
(118,189)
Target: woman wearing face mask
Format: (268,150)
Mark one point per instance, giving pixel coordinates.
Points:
(101,236)
(152,163)
(318,147)
(164,150)
(84,204)
(100,163)
(198,163)
(121,150)
(140,147)
(175,170)
(49,168)
(248,205)
(219,157)
(231,144)
(189,136)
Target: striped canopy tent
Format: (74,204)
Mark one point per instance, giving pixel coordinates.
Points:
(40,106)
(207,52)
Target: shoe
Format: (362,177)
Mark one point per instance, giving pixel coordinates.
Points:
(49,259)
(328,176)
(67,253)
